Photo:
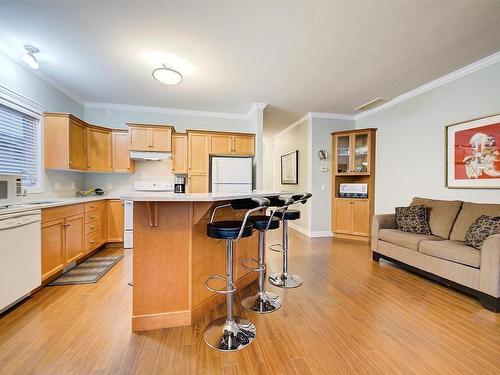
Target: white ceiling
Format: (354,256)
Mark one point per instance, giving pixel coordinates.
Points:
(297,56)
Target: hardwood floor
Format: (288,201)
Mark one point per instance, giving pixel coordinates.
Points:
(352,315)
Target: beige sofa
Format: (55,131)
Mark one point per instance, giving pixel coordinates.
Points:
(443,255)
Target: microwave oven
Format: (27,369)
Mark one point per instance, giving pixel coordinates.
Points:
(11,189)
(353,191)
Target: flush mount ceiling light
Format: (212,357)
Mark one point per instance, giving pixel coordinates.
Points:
(167,75)
(29,57)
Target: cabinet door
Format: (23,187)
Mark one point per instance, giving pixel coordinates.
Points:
(243,145)
(114,227)
(52,247)
(221,144)
(360,217)
(140,139)
(343,215)
(77,146)
(74,238)
(179,153)
(198,183)
(121,153)
(98,150)
(103,218)
(198,145)
(161,140)
(360,154)
(342,154)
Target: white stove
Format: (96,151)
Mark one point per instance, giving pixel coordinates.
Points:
(128,236)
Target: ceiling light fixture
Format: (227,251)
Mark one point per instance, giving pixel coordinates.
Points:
(167,75)
(29,57)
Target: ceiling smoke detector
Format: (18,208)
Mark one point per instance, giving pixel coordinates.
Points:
(372,104)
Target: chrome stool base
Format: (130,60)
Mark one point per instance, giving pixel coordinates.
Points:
(262,303)
(229,336)
(286,281)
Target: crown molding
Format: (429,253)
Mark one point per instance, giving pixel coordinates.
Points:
(295,124)
(9,52)
(255,107)
(332,116)
(462,72)
(20,100)
(166,110)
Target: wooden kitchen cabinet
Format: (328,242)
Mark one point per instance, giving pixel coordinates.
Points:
(52,248)
(198,183)
(120,144)
(114,221)
(221,144)
(343,217)
(179,153)
(147,137)
(98,150)
(73,238)
(352,216)
(198,153)
(244,145)
(95,225)
(232,144)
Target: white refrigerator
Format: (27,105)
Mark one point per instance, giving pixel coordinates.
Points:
(231,174)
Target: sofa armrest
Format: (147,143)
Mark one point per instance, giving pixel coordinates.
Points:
(383,221)
(489,281)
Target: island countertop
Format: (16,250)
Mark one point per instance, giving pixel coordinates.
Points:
(195,197)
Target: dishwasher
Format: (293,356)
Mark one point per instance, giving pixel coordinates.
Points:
(20,256)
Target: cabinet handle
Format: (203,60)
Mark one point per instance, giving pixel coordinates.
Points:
(92,217)
(92,241)
(67,225)
(71,162)
(92,227)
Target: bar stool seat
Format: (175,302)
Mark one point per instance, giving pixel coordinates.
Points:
(289,215)
(260,222)
(228,229)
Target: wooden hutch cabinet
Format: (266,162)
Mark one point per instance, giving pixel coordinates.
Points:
(353,163)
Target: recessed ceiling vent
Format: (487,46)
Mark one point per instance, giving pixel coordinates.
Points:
(372,104)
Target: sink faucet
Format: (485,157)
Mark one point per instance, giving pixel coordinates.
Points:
(30,175)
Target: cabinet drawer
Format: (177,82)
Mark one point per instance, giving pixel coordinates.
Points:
(92,206)
(55,213)
(91,216)
(92,226)
(92,241)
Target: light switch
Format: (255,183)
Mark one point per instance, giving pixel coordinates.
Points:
(323,187)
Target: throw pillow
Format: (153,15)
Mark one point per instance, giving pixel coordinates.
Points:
(413,219)
(480,229)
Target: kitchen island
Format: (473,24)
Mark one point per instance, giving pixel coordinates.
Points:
(173,256)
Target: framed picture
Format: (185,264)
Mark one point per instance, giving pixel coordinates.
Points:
(473,153)
(289,168)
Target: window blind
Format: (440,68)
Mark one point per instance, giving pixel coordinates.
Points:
(19,144)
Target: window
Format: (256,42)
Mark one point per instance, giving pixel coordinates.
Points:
(20,149)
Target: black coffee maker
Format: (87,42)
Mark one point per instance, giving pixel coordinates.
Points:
(180,185)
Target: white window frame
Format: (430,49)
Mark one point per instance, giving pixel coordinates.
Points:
(21,104)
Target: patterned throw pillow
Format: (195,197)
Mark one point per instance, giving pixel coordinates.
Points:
(479,230)
(413,219)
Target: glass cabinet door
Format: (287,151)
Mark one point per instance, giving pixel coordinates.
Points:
(343,154)
(361,154)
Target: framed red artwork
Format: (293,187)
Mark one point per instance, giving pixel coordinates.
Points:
(473,153)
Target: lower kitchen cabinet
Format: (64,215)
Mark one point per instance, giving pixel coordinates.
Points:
(352,217)
(73,238)
(198,183)
(95,225)
(52,247)
(114,225)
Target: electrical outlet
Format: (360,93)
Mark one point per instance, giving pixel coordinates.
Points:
(324,169)
(323,187)
(57,186)
(72,186)
(109,186)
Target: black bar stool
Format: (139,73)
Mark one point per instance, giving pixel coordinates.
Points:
(263,301)
(284,279)
(231,333)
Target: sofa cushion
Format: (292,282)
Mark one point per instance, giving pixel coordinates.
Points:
(412,219)
(405,239)
(481,229)
(455,251)
(468,214)
(442,214)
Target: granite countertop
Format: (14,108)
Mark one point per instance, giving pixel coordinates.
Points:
(36,204)
(196,197)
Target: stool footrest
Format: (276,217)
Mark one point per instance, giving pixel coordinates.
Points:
(220,291)
(277,247)
(259,268)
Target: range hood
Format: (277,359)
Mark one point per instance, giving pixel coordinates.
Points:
(150,155)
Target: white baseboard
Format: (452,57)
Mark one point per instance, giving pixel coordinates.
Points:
(308,233)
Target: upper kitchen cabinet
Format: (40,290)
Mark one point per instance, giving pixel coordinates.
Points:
(198,150)
(120,145)
(146,137)
(65,142)
(179,153)
(99,150)
(232,144)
